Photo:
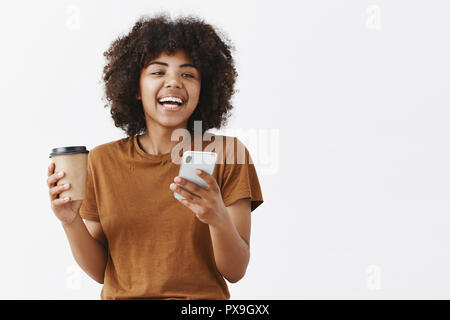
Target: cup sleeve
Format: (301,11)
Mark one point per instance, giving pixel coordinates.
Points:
(88,209)
(240,180)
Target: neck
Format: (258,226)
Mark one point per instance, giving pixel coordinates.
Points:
(157,140)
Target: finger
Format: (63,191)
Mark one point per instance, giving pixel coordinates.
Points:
(55,191)
(51,168)
(59,202)
(54,178)
(186,203)
(194,205)
(209,179)
(191,186)
(188,195)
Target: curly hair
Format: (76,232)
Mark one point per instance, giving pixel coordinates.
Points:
(151,36)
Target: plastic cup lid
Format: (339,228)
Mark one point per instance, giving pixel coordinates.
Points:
(68,150)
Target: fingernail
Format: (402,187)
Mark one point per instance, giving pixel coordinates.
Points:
(178,179)
(60,174)
(198,171)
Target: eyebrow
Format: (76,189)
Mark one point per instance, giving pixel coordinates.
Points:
(165,64)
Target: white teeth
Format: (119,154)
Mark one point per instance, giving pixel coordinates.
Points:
(174,99)
(171,106)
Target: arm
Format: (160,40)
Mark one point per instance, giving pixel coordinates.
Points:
(229,226)
(88,245)
(231,241)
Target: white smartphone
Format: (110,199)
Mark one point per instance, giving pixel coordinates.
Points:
(193,160)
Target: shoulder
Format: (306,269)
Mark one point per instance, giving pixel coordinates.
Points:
(110,148)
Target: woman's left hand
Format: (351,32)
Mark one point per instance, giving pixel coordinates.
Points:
(207,204)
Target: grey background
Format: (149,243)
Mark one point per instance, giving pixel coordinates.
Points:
(355,95)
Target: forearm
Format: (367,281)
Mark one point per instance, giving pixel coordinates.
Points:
(231,252)
(90,254)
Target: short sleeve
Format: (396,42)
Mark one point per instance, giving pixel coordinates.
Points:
(88,209)
(240,179)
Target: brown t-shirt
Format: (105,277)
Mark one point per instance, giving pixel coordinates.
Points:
(157,247)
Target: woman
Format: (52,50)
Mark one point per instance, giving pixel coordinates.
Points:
(136,238)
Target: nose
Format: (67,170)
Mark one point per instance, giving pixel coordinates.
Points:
(173,81)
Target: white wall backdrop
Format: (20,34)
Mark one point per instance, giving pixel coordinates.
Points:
(350,103)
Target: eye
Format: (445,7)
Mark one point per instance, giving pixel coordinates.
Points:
(159,72)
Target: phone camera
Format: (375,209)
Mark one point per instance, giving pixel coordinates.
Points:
(188,159)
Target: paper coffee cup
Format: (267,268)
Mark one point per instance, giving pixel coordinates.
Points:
(73,161)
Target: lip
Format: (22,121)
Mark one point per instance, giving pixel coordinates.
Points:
(176,109)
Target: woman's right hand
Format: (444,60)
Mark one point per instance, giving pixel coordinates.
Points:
(65,209)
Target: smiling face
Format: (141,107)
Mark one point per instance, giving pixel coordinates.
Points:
(170,90)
